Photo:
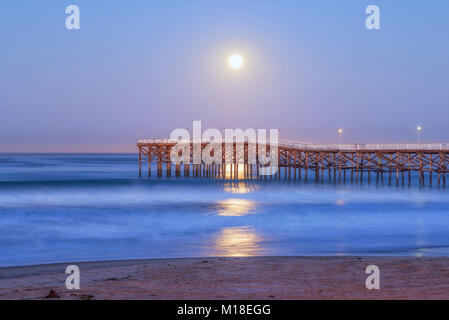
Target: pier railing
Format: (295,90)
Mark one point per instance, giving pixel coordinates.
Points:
(333,147)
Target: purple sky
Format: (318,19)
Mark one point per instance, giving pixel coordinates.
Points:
(147,67)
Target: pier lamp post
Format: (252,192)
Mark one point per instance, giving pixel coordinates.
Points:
(340,132)
(419,128)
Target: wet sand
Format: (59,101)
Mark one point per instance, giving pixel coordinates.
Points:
(234,278)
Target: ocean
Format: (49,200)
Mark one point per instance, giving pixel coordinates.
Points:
(85,207)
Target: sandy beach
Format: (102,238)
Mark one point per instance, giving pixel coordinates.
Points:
(234,278)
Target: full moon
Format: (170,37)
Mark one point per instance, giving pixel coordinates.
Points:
(235,61)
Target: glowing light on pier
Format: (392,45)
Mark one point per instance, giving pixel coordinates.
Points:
(340,131)
(419,128)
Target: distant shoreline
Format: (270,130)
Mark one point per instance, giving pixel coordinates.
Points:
(234,278)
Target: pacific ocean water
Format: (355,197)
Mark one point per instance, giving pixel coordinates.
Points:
(83,207)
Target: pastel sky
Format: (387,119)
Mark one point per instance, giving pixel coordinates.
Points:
(142,68)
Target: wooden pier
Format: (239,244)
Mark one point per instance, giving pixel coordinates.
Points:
(371,163)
